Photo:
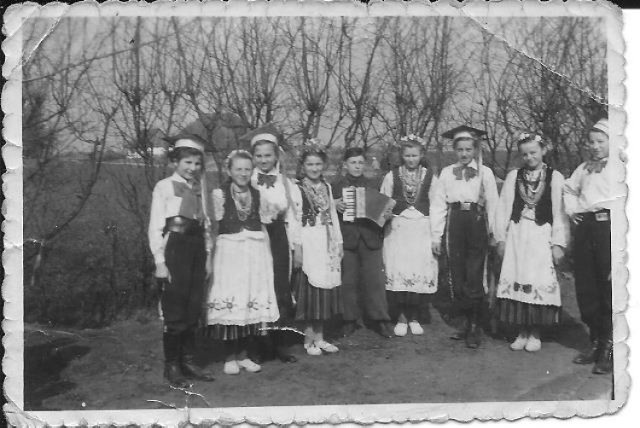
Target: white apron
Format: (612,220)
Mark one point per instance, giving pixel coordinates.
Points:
(408,260)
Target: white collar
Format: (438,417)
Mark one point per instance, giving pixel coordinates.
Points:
(178,177)
(473,164)
(273,171)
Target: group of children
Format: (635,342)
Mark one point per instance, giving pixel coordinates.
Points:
(283,257)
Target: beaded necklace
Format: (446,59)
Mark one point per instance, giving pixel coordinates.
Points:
(411,183)
(530,188)
(318,197)
(242,200)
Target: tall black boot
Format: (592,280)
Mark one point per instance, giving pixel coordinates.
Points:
(604,362)
(172,372)
(590,355)
(462,332)
(187,363)
(473,336)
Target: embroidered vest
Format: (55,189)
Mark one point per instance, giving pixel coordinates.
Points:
(422,199)
(230,222)
(544,213)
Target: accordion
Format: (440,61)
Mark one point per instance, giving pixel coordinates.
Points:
(363,202)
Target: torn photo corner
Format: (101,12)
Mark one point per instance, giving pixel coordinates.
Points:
(137,270)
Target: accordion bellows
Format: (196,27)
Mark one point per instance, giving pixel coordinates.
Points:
(364,202)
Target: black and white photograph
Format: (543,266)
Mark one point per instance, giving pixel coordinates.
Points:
(283,212)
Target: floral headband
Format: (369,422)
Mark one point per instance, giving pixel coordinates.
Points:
(527,138)
(233,154)
(413,138)
(313,145)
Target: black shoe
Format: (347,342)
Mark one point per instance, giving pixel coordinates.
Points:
(604,364)
(174,376)
(385,329)
(589,356)
(187,360)
(192,371)
(284,355)
(460,334)
(349,328)
(472,340)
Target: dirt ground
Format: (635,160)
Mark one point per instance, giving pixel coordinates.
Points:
(121,367)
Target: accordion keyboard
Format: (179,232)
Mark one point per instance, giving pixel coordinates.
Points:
(349,198)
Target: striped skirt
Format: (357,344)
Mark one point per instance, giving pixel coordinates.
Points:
(234,332)
(313,303)
(522,314)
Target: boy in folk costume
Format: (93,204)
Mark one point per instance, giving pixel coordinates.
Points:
(275,192)
(363,275)
(180,241)
(410,265)
(588,201)
(532,231)
(463,210)
(242,300)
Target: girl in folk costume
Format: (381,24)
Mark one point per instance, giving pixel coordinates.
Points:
(588,201)
(531,231)
(463,206)
(317,251)
(275,192)
(242,299)
(410,265)
(180,241)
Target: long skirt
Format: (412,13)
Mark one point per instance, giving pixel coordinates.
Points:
(235,332)
(528,291)
(242,293)
(313,303)
(281,267)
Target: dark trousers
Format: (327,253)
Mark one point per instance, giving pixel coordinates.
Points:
(466,244)
(363,284)
(182,296)
(592,257)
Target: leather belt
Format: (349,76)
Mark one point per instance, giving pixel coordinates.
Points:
(183,225)
(465,206)
(601,215)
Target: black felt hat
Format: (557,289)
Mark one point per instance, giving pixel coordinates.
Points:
(464,132)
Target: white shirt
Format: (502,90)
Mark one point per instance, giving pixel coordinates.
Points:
(275,200)
(164,204)
(386,188)
(560,228)
(448,189)
(218,207)
(588,192)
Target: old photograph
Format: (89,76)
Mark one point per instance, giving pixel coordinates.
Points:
(235,210)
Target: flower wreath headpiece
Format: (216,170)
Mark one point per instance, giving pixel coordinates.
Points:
(414,138)
(313,144)
(232,154)
(525,137)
